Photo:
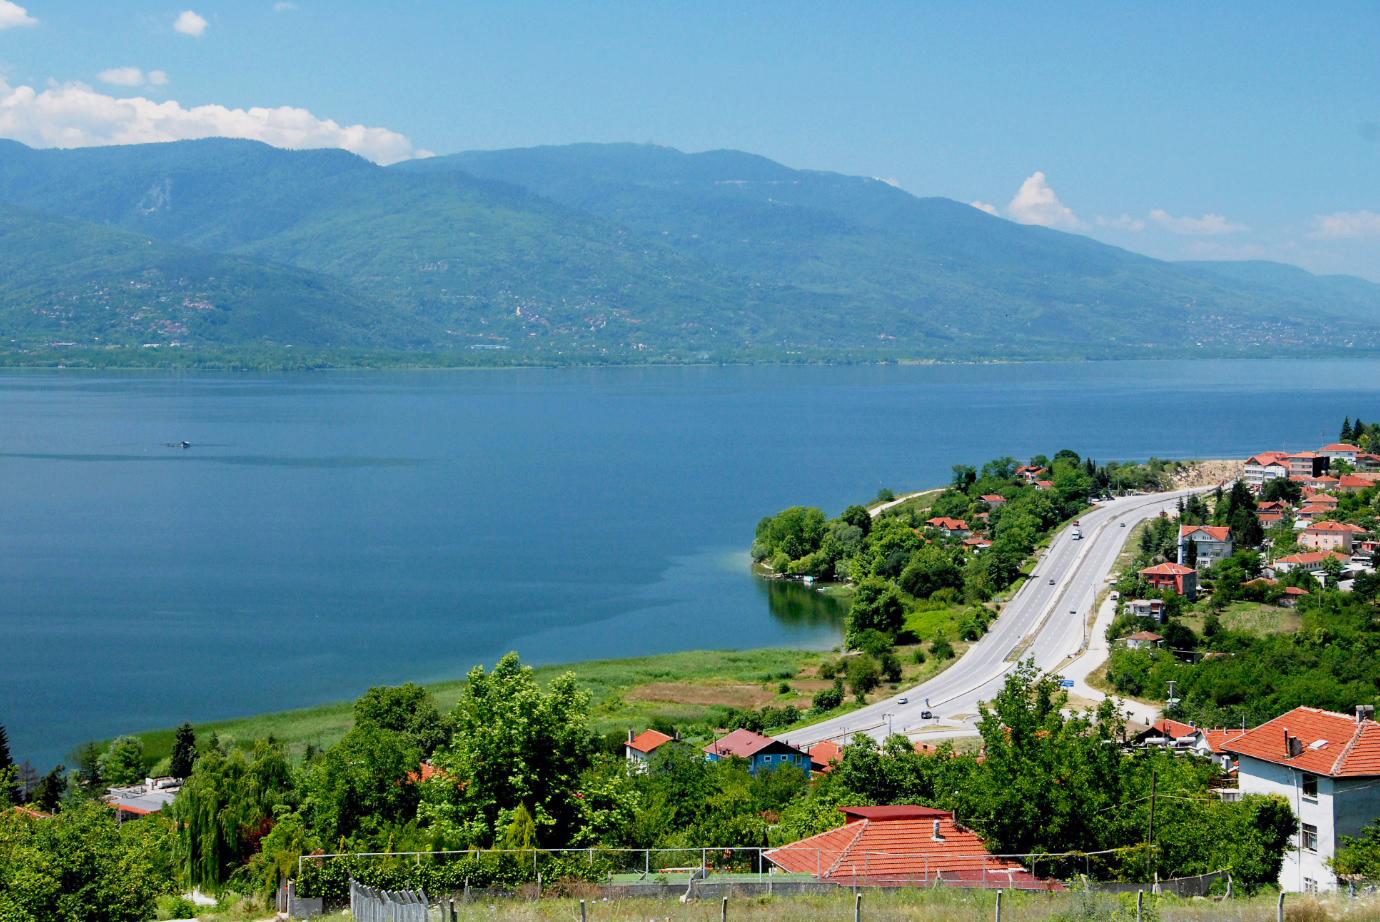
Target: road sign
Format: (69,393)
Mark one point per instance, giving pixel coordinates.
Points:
(1066,683)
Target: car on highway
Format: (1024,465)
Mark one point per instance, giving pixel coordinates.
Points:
(927,715)
(1051,581)
(903,700)
(1123,524)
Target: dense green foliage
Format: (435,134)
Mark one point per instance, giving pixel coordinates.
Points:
(231,252)
(80,866)
(908,570)
(1249,678)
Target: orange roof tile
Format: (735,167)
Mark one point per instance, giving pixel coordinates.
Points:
(1168,569)
(1332,744)
(1216,739)
(648,740)
(902,844)
(824,753)
(1215,532)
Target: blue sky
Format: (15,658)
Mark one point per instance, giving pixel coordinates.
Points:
(1225,130)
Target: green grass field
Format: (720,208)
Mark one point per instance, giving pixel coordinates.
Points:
(699,681)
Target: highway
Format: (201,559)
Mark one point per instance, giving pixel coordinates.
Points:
(1047,621)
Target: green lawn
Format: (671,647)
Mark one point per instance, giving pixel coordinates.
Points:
(706,679)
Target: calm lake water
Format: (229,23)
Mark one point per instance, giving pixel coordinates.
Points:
(326,532)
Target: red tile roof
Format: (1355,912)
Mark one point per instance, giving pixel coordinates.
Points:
(1171,728)
(1355,481)
(648,740)
(1215,532)
(1167,569)
(1338,446)
(1216,739)
(823,753)
(902,844)
(1332,744)
(1146,636)
(993,498)
(1315,557)
(1336,526)
(947,524)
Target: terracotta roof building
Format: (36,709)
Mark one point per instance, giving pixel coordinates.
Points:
(903,846)
(1182,579)
(1326,765)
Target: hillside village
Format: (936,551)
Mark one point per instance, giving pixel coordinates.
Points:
(1249,616)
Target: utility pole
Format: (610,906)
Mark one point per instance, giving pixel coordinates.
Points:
(1150,850)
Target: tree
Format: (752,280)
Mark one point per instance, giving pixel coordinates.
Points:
(875,606)
(183,752)
(857,516)
(514,745)
(9,790)
(1346,434)
(1191,553)
(123,762)
(80,866)
(47,795)
(408,709)
(964,476)
(863,676)
(366,783)
(1359,857)
(225,807)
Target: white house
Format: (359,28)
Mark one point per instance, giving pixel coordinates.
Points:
(1212,543)
(1327,765)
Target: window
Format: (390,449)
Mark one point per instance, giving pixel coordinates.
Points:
(1310,786)
(1308,837)
(1310,885)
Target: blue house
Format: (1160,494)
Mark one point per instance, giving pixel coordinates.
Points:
(760,752)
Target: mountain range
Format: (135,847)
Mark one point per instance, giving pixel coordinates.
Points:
(194,251)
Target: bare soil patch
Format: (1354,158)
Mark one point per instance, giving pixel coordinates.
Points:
(738,696)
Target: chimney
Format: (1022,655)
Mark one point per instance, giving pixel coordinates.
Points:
(1365,712)
(1292,745)
(938,837)
(630,737)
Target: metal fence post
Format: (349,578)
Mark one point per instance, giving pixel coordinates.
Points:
(1279,910)
(1140,901)
(998,906)
(582,911)
(723,911)
(857,908)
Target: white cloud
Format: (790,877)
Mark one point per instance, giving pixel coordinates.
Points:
(1209,225)
(132,76)
(1125,222)
(74,115)
(12,14)
(1036,203)
(280,7)
(189,23)
(1343,225)
(990,209)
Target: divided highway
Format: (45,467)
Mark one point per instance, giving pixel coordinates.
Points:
(1047,619)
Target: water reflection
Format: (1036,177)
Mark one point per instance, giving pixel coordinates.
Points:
(798,605)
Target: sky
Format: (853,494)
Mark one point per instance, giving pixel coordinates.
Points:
(1181,130)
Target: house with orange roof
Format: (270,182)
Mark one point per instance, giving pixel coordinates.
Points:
(638,749)
(1366,461)
(1330,536)
(824,755)
(1146,608)
(1217,741)
(1320,482)
(1354,483)
(1030,473)
(1340,451)
(954,528)
(1269,465)
(1175,576)
(1319,498)
(1327,766)
(1311,561)
(1211,543)
(1044,484)
(1307,464)
(993,499)
(1144,640)
(903,846)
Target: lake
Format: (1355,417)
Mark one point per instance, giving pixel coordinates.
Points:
(325,532)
